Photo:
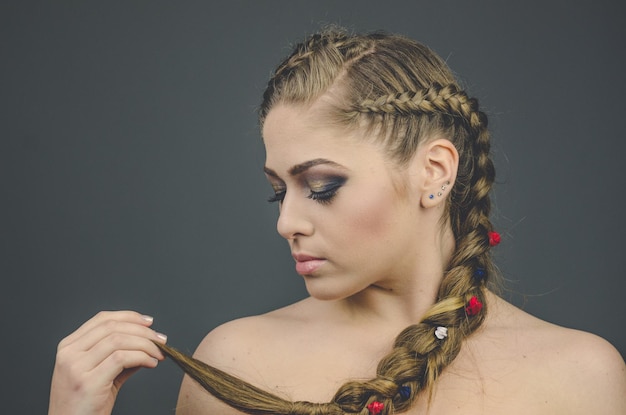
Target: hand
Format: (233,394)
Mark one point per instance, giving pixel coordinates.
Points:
(93,363)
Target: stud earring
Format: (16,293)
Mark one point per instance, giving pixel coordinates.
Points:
(430,196)
(443,188)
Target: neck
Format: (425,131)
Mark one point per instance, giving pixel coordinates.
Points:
(391,306)
(403,299)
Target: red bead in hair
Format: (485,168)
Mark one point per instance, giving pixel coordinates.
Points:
(375,407)
(494,238)
(473,306)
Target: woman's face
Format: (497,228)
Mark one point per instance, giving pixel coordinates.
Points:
(348,224)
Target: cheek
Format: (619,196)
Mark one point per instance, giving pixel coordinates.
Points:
(371,219)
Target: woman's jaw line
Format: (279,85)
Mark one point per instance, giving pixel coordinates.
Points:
(398,302)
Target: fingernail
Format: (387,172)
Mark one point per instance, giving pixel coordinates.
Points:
(149,319)
(162,336)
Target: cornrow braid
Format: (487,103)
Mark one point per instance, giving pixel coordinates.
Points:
(303,51)
(450,101)
(406,93)
(311,68)
(436,98)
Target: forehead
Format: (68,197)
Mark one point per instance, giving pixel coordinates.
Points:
(293,134)
(290,120)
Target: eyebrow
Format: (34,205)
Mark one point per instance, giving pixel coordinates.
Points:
(302,167)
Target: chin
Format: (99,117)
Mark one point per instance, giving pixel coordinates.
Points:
(325,291)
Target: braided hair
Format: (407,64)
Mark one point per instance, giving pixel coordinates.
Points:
(406,94)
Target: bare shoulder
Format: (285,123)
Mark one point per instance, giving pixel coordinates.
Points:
(218,348)
(228,344)
(576,370)
(593,373)
(237,345)
(241,347)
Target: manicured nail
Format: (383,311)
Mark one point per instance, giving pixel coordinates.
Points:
(149,319)
(162,336)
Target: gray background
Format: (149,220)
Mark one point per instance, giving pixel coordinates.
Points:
(130,164)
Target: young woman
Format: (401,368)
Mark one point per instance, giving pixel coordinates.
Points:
(380,166)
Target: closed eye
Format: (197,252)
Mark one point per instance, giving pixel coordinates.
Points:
(278,196)
(324,196)
(320,191)
(324,192)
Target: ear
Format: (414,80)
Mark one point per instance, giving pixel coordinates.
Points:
(439,164)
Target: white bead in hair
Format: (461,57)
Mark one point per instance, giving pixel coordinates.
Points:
(441,332)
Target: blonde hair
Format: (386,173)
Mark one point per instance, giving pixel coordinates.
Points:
(406,93)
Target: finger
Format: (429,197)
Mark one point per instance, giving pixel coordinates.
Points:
(103,316)
(92,348)
(116,365)
(109,328)
(124,376)
(120,342)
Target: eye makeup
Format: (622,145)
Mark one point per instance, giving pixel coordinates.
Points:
(324,190)
(320,190)
(278,196)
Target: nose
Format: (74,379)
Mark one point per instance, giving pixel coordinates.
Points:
(292,220)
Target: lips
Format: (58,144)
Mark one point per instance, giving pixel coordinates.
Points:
(306,264)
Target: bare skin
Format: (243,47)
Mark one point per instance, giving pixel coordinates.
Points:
(515,364)
(372,254)
(95,361)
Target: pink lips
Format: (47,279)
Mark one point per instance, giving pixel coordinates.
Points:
(306,264)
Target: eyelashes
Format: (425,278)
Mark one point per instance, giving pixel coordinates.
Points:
(324,195)
(278,196)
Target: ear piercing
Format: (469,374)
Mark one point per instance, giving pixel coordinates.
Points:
(432,196)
